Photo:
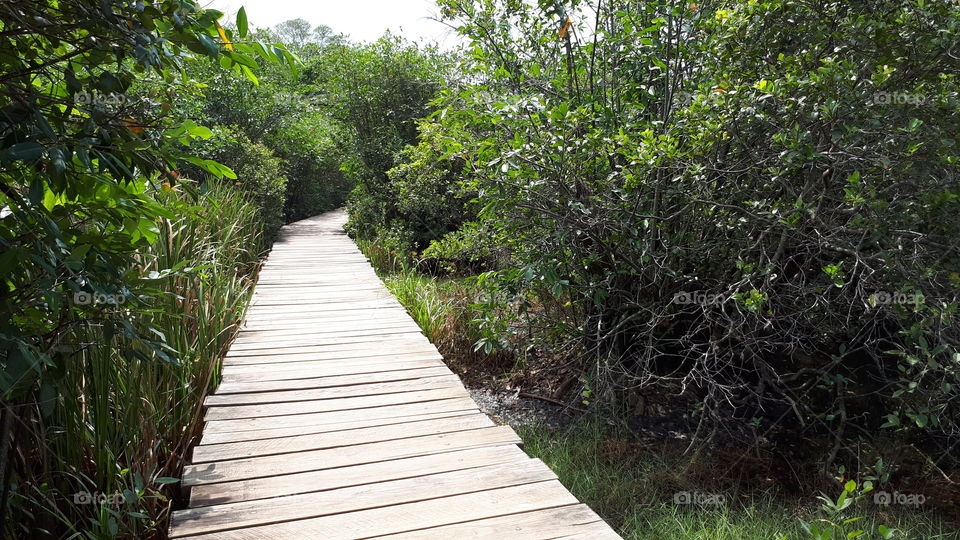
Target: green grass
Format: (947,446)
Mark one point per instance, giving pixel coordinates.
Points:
(424,298)
(632,496)
(122,424)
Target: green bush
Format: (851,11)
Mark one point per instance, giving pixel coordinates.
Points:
(281,114)
(730,200)
(260,174)
(312,164)
(429,202)
(376,92)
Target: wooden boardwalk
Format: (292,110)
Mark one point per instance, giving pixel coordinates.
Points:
(337,418)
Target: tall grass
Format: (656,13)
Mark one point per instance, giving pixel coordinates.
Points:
(103,460)
(441,307)
(633,489)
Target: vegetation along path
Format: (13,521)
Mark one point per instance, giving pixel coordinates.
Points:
(337,418)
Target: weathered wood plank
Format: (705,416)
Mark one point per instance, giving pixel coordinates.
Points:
(341,404)
(251,513)
(359,342)
(335,439)
(228,471)
(411,516)
(273,433)
(310,319)
(343,366)
(332,381)
(354,390)
(340,418)
(319,329)
(369,473)
(318,339)
(549,523)
(332,306)
(342,352)
(326,368)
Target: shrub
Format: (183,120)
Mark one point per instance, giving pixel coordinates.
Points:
(725,200)
(312,164)
(260,174)
(377,92)
(424,184)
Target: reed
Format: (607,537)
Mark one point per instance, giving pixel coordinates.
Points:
(100,458)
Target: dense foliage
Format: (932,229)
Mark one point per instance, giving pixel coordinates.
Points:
(751,204)
(378,92)
(148,156)
(121,278)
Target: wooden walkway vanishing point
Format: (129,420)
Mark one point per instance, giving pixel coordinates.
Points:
(337,418)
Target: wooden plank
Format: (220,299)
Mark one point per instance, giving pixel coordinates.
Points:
(334,366)
(316,299)
(252,513)
(228,471)
(325,341)
(360,273)
(354,390)
(273,433)
(369,473)
(338,363)
(304,317)
(342,315)
(594,531)
(335,307)
(411,516)
(358,342)
(342,352)
(331,382)
(318,339)
(340,418)
(346,328)
(325,368)
(549,523)
(335,439)
(329,295)
(341,404)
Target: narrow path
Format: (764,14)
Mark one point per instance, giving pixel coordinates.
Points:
(337,418)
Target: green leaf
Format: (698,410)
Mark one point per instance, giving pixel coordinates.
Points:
(243,59)
(242,22)
(209,47)
(22,151)
(166,480)
(249,74)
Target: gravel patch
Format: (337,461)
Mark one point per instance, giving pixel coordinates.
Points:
(508,407)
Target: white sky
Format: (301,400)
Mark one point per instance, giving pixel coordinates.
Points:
(362,20)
